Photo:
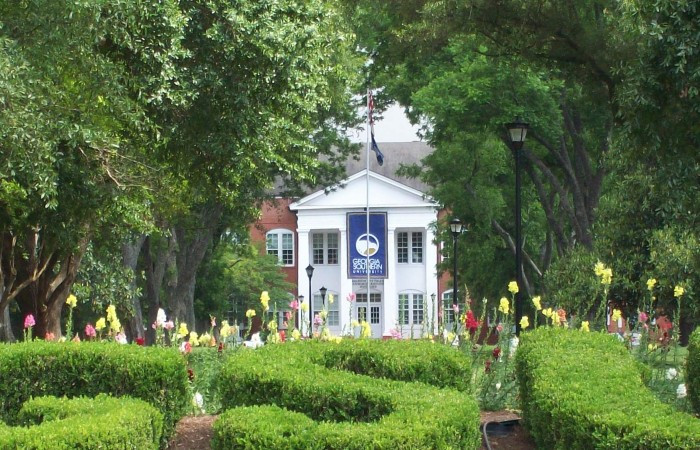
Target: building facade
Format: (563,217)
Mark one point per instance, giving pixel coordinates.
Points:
(326,230)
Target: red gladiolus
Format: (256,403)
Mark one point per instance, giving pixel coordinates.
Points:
(140,341)
(496,352)
(190,374)
(487,366)
(283,336)
(471,323)
(221,347)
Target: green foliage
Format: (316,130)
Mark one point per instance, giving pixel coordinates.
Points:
(155,375)
(344,410)
(693,370)
(584,390)
(102,422)
(571,284)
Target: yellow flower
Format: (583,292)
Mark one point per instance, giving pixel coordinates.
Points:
(616,315)
(204,339)
(366,330)
(71,301)
(451,337)
(323,314)
(304,306)
(556,320)
(183,331)
(272,326)
(678,291)
(651,347)
(584,326)
(250,313)
(325,334)
(115,325)
(504,306)
(265,300)
(194,338)
(513,287)
(599,268)
(225,329)
(537,302)
(524,322)
(100,324)
(296,335)
(547,312)
(331,299)
(651,282)
(606,278)
(336,339)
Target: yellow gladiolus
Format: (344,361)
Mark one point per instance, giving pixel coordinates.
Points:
(513,287)
(584,326)
(265,300)
(250,313)
(304,306)
(651,282)
(537,302)
(194,338)
(183,331)
(296,335)
(71,301)
(678,291)
(616,315)
(331,299)
(504,306)
(524,322)
(100,324)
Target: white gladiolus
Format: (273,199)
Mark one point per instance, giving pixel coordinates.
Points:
(671,373)
(681,392)
(160,318)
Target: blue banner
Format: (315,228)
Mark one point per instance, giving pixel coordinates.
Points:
(359,242)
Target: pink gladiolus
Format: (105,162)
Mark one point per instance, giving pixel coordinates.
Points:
(455,308)
(287,315)
(185,347)
(49,336)
(317,320)
(294,304)
(499,327)
(169,325)
(29,321)
(213,321)
(90,331)
(643,317)
(351,297)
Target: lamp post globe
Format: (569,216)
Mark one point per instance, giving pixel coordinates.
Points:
(517,131)
(323,291)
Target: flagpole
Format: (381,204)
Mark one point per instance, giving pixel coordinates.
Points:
(369,131)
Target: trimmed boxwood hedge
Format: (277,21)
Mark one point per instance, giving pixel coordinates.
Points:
(693,370)
(303,404)
(584,390)
(53,423)
(155,375)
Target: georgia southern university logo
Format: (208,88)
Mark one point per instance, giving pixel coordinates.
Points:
(362,244)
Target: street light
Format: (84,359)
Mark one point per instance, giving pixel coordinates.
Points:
(310,273)
(517,132)
(323,291)
(456,227)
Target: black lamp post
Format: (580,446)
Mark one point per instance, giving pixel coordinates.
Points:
(323,291)
(456,227)
(517,132)
(310,273)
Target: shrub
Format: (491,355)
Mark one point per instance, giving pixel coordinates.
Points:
(584,390)
(103,422)
(693,370)
(319,407)
(155,375)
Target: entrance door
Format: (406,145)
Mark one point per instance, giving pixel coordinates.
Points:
(375,312)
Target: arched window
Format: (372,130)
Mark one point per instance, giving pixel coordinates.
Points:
(412,308)
(280,242)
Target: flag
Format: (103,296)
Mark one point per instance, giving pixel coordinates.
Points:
(375,147)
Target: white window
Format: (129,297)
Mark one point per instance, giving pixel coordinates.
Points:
(409,251)
(411,309)
(447,311)
(333,319)
(324,248)
(281,244)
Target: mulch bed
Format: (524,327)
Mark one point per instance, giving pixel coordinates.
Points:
(195,433)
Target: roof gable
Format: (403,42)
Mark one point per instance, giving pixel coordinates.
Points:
(352,193)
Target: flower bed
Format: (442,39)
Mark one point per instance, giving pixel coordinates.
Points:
(302,404)
(103,422)
(584,390)
(155,375)
(693,370)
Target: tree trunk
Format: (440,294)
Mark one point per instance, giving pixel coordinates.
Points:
(159,256)
(6,334)
(130,257)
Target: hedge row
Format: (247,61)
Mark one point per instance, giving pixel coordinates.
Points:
(304,405)
(584,390)
(401,360)
(693,370)
(155,375)
(103,422)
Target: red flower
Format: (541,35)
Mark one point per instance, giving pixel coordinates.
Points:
(487,366)
(496,352)
(190,374)
(471,323)
(221,347)
(140,341)
(283,336)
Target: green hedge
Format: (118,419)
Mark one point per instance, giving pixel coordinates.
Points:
(53,423)
(310,406)
(584,390)
(155,375)
(401,360)
(693,370)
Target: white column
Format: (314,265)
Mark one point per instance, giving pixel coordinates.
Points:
(303,279)
(345,283)
(431,279)
(391,309)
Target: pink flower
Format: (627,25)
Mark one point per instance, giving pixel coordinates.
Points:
(294,304)
(351,297)
(395,333)
(499,327)
(213,321)
(49,336)
(317,320)
(90,331)
(169,325)
(120,338)
(29,321)
(455,308)
(643,317)
(287,315)
(185,347)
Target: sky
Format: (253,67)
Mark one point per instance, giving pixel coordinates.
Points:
(394,127)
